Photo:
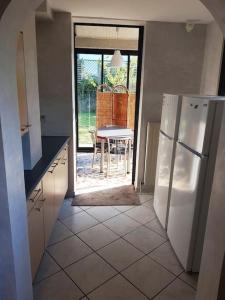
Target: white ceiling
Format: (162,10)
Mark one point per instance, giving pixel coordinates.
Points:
(106,33)
(137,10)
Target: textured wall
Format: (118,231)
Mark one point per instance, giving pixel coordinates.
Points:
(15,275)
(212,60)
(172,63)
(54,48)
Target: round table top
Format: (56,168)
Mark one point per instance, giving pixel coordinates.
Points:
(115,132)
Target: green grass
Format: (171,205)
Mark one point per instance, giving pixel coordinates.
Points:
(86,122)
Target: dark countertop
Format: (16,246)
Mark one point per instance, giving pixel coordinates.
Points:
(51,146)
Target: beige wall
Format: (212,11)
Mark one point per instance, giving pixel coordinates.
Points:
(172,63)
(212,60)
(106,44)
(54,48)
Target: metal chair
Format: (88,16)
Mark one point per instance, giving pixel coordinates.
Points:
(121,148)
(96,145)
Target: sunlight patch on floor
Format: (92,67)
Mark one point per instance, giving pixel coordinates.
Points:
(91,180)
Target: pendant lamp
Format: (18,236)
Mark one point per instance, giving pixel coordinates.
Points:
(117,59)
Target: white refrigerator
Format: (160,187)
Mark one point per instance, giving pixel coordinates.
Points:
(166,151)
(195,156)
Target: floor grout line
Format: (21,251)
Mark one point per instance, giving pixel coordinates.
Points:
(117,272)
(62,269)
(95,251)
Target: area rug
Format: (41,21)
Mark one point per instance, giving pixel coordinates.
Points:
(124,195)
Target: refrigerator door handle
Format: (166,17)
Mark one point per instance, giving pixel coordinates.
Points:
(193,151)
(169,137)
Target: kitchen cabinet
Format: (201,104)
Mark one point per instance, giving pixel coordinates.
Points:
(43,206)
(49,214)
(36,233)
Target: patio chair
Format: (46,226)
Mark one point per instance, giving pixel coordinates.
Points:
(97,145)
(120,148)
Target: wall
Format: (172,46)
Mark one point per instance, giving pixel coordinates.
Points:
(214,244)
(15,275)
(32,148)
(106,44)
(54,49)
(172,63)
(212,60)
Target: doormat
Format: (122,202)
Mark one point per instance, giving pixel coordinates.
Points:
(124,195)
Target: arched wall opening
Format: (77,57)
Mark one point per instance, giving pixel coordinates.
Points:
(12,193)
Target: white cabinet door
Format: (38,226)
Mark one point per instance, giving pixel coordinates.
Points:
(163,178)
(36,234)
(49,209)
(64,164)
(170,110)
(188,178)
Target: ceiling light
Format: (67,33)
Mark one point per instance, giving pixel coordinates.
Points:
(117,59)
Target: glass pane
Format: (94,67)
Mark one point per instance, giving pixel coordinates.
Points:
(133,73)
(114,76)
(88,78)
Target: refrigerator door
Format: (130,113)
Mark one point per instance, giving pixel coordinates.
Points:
(196,122)
(187,185)
(163,177)
(170,113)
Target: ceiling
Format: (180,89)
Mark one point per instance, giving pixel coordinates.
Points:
(106,33)
(137,10)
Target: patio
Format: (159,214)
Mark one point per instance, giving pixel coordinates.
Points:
(91,180)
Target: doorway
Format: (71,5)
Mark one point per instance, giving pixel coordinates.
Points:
(92,70)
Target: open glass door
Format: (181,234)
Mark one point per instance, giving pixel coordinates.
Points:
(89,76)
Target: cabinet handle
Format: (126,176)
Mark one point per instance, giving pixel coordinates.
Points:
(37,192)
(38,209)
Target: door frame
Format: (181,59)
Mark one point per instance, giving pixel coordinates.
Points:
(139,54)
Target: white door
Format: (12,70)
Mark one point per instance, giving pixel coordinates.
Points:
(196,122)
(170,110)
(163,178)
(185,200)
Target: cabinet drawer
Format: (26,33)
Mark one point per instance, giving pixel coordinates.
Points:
(34,196)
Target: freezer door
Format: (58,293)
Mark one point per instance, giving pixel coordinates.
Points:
(196,122)
(163,178)
(185,201)
(170,111)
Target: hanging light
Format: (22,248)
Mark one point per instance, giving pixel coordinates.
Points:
(117,59)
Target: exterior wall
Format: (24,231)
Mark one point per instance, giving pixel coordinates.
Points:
(32,140)
(54,48)
(172,63)
(212,60)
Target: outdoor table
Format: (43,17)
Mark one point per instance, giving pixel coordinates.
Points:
(106,133)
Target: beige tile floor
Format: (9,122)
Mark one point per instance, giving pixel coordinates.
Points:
(111,253)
